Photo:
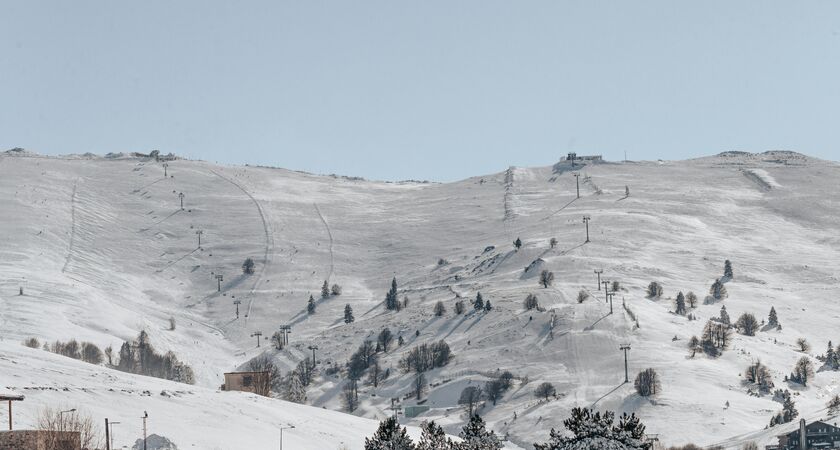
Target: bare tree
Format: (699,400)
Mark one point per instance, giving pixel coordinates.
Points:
(57,426)
(647,383)
(546,278)
(803,345)
(470,397)
(545,390)
(266,375)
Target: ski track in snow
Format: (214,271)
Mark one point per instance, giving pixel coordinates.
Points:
(72,228)
(269,243)
(329,233)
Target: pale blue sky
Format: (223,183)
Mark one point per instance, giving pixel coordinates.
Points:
(435,90)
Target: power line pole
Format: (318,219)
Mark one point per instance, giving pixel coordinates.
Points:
(286,330)
(577,182)
(599,272)
(313,348)
(165,165)
(237,303)
(199,233)
(625,347)
(257,334)
(605,283)
(145,416)
(181,196)
(107,431)
(219,278)
(586,220)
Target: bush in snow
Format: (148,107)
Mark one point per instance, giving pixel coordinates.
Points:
(32,343)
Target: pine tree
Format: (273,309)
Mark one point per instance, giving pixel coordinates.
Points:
(476,436)
(654,290)
(831,359)
(680,304)
(517,243)
(439,309)
(478,304)
(392,301)
(724,316)
(248,266)
(389,436)
(773,319)
(310,307)
(718,290)
(487,306)
(294,391)
(727,269)
(348,314)
(433,437)
(325,290)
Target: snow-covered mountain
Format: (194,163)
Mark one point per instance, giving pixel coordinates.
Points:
(103,250)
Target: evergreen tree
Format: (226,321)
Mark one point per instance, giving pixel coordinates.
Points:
(459,307)
(294,390)
(773,319)
(439,309)
(389,436)
(476,436)
(392,301)
(348,314)
(654,290)
(831,359)
(718,290)
(310,306)
(248,266)
(478,304)
(679,304)
(724,316)
(433,438)
(517,243)
(727,269)
(325,290)
(487,306)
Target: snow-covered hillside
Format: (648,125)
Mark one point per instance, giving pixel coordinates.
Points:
(103,250)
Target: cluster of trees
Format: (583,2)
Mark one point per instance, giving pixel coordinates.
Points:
(366,359)
(803,371)
(831,359)
(392,301)
(684,302)
(647,383)
(426,357)
(716,337)
(654,290)
(531,302)
(391,436)
(788,412)
(592,429)
(140,357)
(718,290)
(84,351)
(758,374)
(480,304)
(327,291)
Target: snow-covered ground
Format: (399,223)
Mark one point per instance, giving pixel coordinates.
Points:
(103,250)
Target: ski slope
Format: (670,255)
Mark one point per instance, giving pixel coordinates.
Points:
(103,250)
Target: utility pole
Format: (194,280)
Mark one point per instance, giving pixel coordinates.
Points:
(286,330)
(610,297)
(586,220)
(165,165)
(396,408)
(219,278)
(281,434)
(107,440)
(237,303)
(625,347)
(145,416)
(605,283)
(257,334)
(181,196)
(577,182)
(599,272)
(199,233)
(313,348)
